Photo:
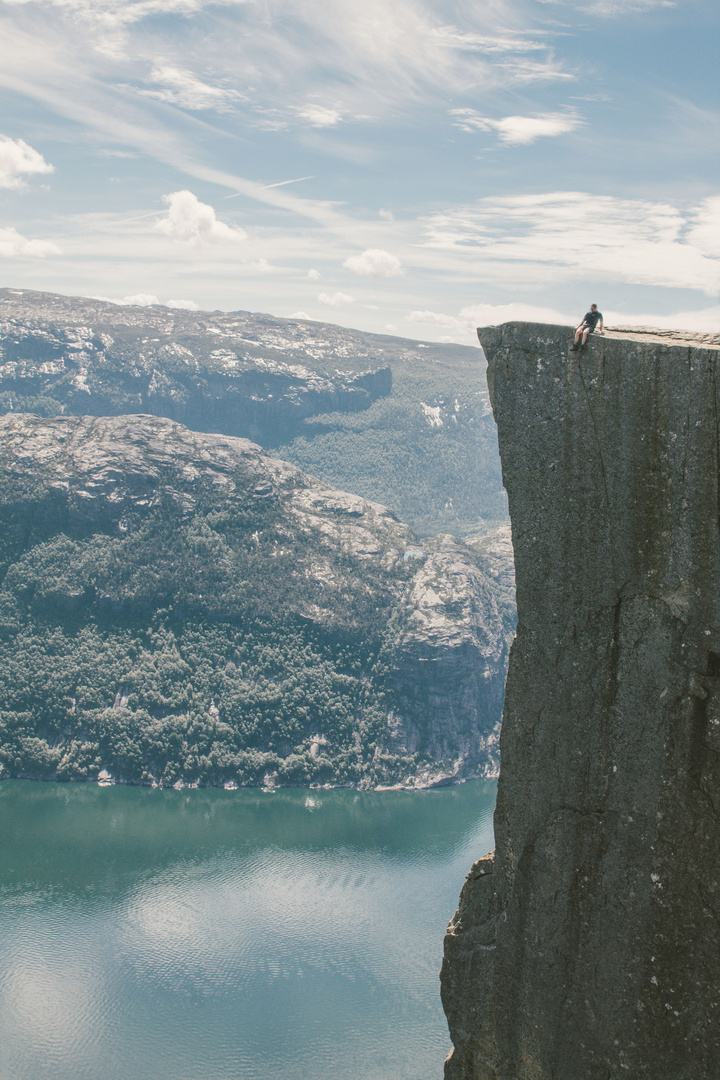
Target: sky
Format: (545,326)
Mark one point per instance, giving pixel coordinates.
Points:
(397,166)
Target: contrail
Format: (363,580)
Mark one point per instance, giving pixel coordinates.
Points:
(281,183)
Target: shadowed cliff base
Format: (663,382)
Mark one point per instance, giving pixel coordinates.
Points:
(588,947)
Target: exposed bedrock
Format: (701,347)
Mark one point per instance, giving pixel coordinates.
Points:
(588,947)
(238,373)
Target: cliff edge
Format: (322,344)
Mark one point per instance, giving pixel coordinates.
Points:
(588,946)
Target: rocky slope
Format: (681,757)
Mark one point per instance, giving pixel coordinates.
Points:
(405,422)
(588,946)
(240,374)
(180,608)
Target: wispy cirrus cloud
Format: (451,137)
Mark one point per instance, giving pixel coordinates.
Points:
(624,7)
(612,8)
(367,57)
(120,12)
(58,68)
(180,87)
(554,235)
(455,38)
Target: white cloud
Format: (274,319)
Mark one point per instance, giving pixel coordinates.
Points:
(135,300)
(336,299)
(148,300)
(182,305)
(475,315)
(374,263)
(190,221)
(256,266)
(518,129)
(435,318)
(314,275)
(320,115)
(12,243)
(182,88)
(571,234)
(18,160)
(704,231)
(300,315)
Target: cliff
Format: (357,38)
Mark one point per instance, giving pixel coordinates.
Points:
(588,946)
(180,608)
(403,422)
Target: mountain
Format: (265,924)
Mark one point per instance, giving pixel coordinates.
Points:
(403,422)
(178,607)
(588,944)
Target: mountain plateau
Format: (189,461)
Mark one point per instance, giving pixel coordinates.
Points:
(404,422)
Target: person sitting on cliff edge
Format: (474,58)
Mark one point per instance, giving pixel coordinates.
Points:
(587,326)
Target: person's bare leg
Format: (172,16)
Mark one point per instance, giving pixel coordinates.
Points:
(586,331)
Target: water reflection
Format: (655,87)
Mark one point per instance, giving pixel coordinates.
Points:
(212,934)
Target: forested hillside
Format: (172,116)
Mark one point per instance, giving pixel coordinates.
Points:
(179,608)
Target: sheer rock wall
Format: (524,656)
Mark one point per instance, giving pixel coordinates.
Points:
(588,946)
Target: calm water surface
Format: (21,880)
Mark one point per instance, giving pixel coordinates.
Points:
(218,935)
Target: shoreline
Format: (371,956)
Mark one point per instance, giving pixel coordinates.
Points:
(109,781)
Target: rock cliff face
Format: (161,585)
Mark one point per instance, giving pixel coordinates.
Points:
(588,946)
(178,607)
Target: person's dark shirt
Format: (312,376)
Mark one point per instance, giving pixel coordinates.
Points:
(592,318)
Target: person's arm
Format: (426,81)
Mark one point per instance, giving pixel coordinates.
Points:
(602,325)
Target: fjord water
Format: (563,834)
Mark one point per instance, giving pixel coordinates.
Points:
(228,935)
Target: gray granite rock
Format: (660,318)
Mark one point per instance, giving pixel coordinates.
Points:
(588,946)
